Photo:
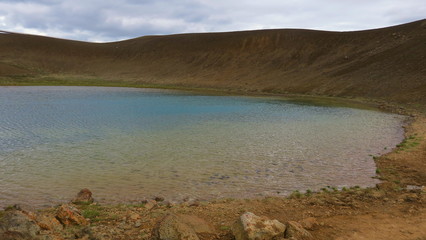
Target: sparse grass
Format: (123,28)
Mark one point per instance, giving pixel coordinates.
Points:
(94,212)
(76,80)
(378,171)
(296,194)
(225,228)
(91,214)
(409,143)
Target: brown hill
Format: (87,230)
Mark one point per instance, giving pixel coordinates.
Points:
(387,63)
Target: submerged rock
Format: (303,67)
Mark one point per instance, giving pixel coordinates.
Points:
(252,227)
(69,215)
(159,199)
(83,197)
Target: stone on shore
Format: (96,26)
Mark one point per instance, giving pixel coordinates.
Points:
(200,226)
(47,222)
(83,197)
(150,204)
(172,227)
(309,223)
(69,215)
(16,224)
(252,227)
(296,231)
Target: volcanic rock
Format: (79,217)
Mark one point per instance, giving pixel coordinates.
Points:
(252,227)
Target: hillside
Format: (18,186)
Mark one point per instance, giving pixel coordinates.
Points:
(388,63)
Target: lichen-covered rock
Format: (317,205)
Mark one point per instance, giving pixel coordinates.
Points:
(16,224)
(252,227)
(296,231)
(69,215)
(47,222)
(83,197)
(172,228)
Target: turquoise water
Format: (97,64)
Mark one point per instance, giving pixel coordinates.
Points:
(129,144)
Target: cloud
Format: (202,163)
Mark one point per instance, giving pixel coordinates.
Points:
(110,20)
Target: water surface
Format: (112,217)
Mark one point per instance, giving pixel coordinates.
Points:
(130,144)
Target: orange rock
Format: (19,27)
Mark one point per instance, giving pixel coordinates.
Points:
(50,223)
(69,215)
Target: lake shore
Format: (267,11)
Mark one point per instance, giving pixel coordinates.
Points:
(353,213)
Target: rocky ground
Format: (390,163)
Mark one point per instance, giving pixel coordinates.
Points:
(395,209)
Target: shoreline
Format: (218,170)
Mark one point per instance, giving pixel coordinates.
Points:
(400,168)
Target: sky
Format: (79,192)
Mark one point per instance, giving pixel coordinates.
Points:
(113,20)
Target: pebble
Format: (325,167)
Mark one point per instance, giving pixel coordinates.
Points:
(138,224)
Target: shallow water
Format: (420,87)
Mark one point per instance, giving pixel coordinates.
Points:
(130,144)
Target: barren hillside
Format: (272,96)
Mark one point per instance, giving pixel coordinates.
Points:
(388,63)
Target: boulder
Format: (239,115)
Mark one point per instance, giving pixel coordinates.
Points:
(69,215)
(252,227)
(172,228)
(50,223)
(16,224)
(309,223)
(200,226)
(83,197)
(296,231)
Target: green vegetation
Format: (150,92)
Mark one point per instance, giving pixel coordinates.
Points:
(409,143)
(91,214)
(225,228)
(94,212)
(378,171)
(63,80)
(296,194)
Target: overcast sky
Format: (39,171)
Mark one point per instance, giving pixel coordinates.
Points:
(111,20)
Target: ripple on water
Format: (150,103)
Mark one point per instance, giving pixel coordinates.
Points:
(128,144)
